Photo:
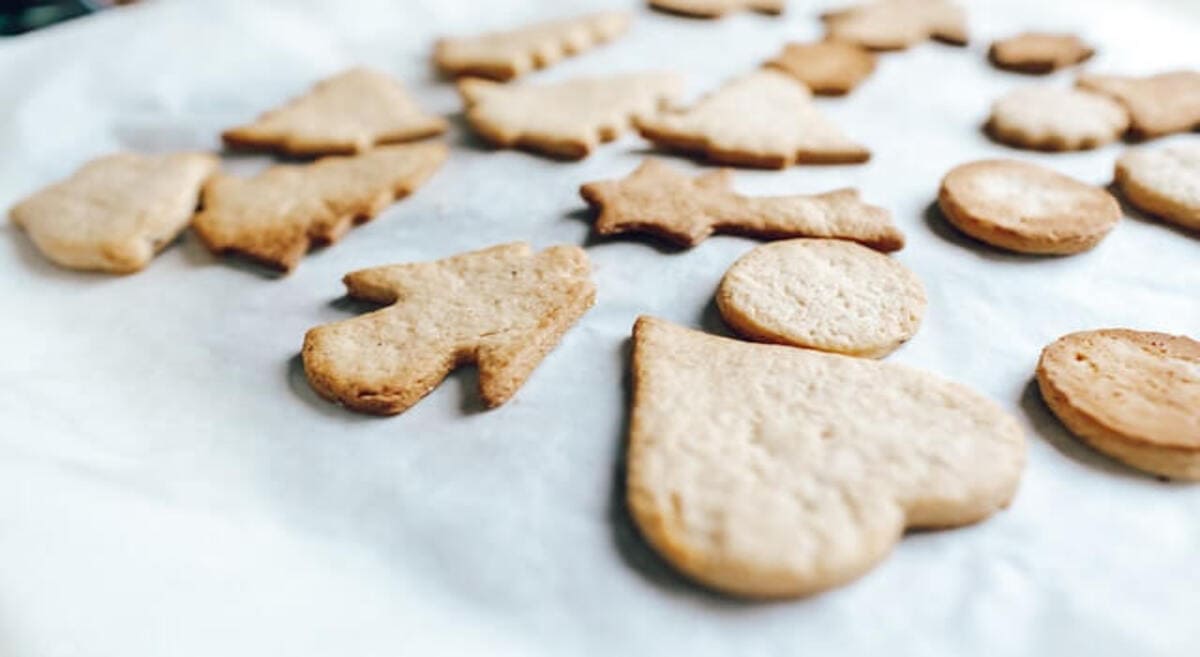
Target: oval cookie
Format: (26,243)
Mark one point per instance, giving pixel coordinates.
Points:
(1026,208)
(830,295)
(1132,395)
(1052,119)
(1039,53)
(1164,182)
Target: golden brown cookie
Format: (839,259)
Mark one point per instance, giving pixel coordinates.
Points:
(1052,119)
(115,212)
(507,54)
(564,119)
(1026,208)
(1133,395)
(764,119)
(1039,52)
(502,309)
(347,113)
(897,24)
(658,200)
(716,8)
(830,68)
(1163,181)
(1159,104)
(768,471)
(276,216)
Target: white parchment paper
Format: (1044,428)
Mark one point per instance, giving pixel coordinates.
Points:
(169,484)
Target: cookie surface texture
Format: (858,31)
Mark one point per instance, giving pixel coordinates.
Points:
(717,8)
(1159,104)
(1052,119)
(829,295)
(659,200)
(564,119)
(764,119)
(829,68)
(347,113)
(506,54)
(277,215)
(898,24)
(768,471)
(115,212)
(1026,208)
(1163,181)
(1039,52)
(1132,395)
(502,308)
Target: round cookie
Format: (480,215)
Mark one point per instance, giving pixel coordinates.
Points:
(1052,119)
(1163,181)
(1132,395)
(831,295)
(1026,208)
(1039,53)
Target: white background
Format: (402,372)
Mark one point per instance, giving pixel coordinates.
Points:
(169,485)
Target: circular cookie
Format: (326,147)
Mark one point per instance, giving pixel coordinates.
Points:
(822,294)
(1026,208)
(1052,119)
(1132,395)
(1163,181)
(1039,52)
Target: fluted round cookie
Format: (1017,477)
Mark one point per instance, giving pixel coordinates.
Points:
(822,294)
(1052,119)
(1132,395)
(1163,181)
(1026,208)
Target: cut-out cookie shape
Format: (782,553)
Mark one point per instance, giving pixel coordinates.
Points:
(822,294)
(507,54)
(347,113)
(717,8)
(115,212)
(564,119)
(277,215)
(1053,119)
(764,119)
(770,471)
(1039,52)
(1159,104)
(829,68)
(658,200)
(898,24)
(1133,395)
(1163,181)
(1026,208)
(502,308)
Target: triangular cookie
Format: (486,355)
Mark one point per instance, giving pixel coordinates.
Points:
(502,308)
(765,119)
(771,471)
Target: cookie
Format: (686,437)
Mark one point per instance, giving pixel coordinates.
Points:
(765,119)
(1132,395)
(827,68)
(822,294)
(1039,52)
(276,216)
(564,119)
(897,24)
(1163,181)
(1159,104)
(768,471)
(1026,208)
(347,113)
(658,200)
(1053,119)
(507,54)
(716,8)
(502,308)
(115,212)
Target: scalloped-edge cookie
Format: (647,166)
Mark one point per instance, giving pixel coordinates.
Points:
(717,8)
(767,471)
(1039,53)
(116,212)
(1158,104)
(1163,181)
(1048,118)
(1133,395)
(827,68)
(897,24)
(502,308)
(507,54)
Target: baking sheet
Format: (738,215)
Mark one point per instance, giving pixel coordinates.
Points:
(169,485)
